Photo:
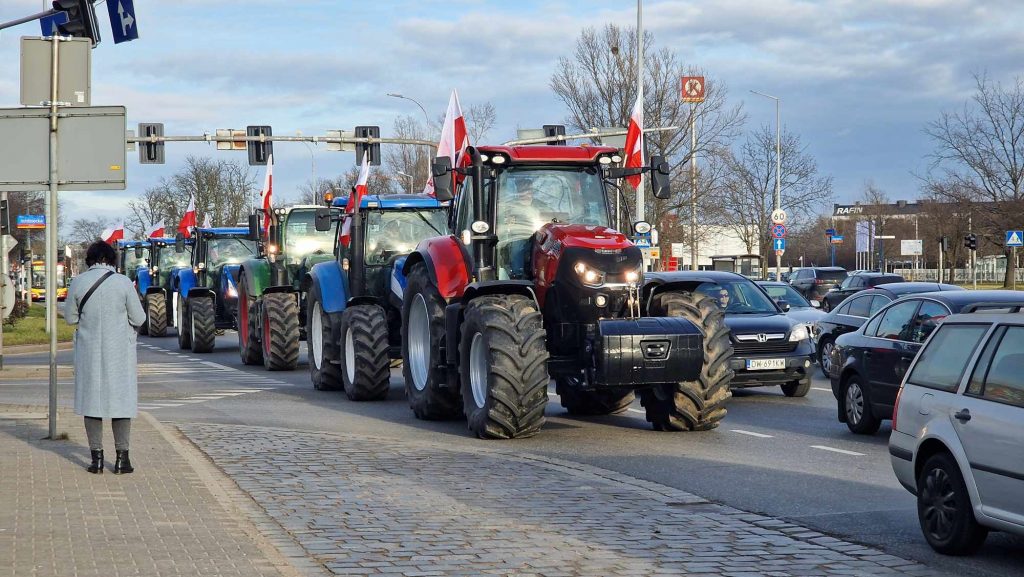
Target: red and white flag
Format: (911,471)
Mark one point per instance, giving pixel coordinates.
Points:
(267,193)
(635,141)
(354,199)
(188,220)
(155,230)
(454,138)
(206,221)
(113,234)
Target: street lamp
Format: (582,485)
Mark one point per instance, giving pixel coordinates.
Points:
(409,176)
(425,117)
(778,169)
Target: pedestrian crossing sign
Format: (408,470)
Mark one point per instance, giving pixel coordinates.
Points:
(1014,238)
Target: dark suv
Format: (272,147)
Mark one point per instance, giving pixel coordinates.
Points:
(856,283)
(814,283)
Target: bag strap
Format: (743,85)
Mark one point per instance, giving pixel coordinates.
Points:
(92,289)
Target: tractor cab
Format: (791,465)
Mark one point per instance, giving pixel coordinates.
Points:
(133,255)
(168,256)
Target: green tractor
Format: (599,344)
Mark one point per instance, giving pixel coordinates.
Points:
(271,300)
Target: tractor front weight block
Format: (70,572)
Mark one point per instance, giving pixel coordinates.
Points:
(646,351)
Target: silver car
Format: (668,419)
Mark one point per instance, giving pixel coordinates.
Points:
(958,430)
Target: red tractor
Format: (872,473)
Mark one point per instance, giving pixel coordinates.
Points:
(534,284)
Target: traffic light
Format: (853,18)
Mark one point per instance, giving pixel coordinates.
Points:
(554,130)
(364,147)
(259,152)
(151,152)
(5,217)
(944,244)
(81,19)
(971,241)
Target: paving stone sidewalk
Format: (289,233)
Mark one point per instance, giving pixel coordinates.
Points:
(163,520)
(366,506)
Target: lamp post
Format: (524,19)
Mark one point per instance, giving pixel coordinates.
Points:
(778,169)
(425,117)
(409,176)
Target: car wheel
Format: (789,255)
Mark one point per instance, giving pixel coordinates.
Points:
(944,508)
(825,356)
(857,408)
(825,306)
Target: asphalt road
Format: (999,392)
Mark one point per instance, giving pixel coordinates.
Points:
(787,458)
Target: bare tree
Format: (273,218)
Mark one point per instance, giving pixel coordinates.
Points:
(410,159)
(226,190)
(980,151)
(151,207)
(480,119)
(84,231)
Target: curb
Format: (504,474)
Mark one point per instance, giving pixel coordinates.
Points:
(30,349)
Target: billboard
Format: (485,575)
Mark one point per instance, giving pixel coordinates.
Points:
(31,221)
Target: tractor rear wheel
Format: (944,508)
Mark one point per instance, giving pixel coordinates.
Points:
(503,367)
(601,402)
(181,322)
(322,351)
(156,314)
(280,331)
(431,397)
(696,405)
(202,324)
(248,347)
(365,366)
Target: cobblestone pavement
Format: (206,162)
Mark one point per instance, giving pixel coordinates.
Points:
(163,520)
(365,506)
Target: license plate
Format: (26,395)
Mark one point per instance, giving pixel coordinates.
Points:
(765,364)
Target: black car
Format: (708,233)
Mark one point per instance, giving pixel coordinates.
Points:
(769,347)
(868,364)
(856,283)
(856,310)
(815,282)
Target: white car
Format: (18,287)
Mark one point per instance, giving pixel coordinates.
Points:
(958,430)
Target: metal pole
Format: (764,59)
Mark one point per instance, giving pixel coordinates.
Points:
(4,279)
(425,117)
(640,214)
(778,175)
(51,232)
(940,261)
(693,186)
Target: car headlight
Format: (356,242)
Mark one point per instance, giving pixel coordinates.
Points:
(589,276)
(799,333)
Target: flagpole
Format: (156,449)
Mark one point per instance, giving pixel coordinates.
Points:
(640,214)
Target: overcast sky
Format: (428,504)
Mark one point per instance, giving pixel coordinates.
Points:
(858,78)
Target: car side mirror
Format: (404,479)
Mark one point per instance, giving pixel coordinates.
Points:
(254,226)
(138,251)
(179,243)
(660,178)
(784,305)
(443,178)
(322,219)
(816,304)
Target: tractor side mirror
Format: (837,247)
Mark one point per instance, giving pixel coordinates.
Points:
(138,251)
(660,178)
(272,231)
(254,227)
(443,180)
(179,243)
(322,219)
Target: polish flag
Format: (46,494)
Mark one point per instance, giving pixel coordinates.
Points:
(354,199)
(155,230)
(188,220)
(267,193)
(206,221)
(454,139)
(635,141)
(114,234)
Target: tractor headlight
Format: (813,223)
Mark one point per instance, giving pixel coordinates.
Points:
(232,292)
(799,333)
(589,276)
(633,276)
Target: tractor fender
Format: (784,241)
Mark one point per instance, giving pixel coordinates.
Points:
(503,287)
(256,273)
(333,285)
(447,261)
(183,281)
(156,290)
(143,279)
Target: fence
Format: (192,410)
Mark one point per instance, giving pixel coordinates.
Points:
(960,275)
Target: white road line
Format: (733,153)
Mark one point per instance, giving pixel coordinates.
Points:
(834,450)
(822,389)
(206,397)
(752,434)
(159,405)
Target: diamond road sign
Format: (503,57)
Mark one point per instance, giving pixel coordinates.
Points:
(1014,238)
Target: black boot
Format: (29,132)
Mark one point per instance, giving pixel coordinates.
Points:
(97,462)
(122,464)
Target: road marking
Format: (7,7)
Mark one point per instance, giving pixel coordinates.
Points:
(752,434)
(822,389)
(834,450)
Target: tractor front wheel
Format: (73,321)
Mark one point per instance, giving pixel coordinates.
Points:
(431,397)
(365,366)
(156,314)
(601,402)
(322,351)
(280,331)
(503,367)
(181,322)
(202,324)
(248,347)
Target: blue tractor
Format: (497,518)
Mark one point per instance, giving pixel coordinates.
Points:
(353,320)
(206,295)
(133,258)
(168,257)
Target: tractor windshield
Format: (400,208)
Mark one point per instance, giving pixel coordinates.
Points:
(392,233)
(228,250)
(531,196)
(301,239)
(131,262)
(169,258)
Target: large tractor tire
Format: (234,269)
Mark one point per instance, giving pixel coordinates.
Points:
(323,352)
(181,322)
(248,347)
(365,366)
(431,397)
(280,331)
(202,323)
(503,367)
(144,328)
(600,402)
(156,314)
(696,405)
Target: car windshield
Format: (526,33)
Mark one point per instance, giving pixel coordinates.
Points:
(391,233)
(301,238)
(738,297)
(530,197)
(228,250)
(786,293)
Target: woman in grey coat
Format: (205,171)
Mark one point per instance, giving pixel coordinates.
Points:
(108,313)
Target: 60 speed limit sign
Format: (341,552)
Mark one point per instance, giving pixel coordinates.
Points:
(778,216)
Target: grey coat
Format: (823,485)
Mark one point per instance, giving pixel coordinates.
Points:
(106,384)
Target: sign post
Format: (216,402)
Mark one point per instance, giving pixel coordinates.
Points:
(1014,239)
(693,92)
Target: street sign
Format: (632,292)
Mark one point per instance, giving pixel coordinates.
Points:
(780,252)
(779,244)
(74,71)
(642,242)
(836,239)
(911,247)
(779,231)
(1014,238)
(693,88)
(122,20)
(48,24)
(677,250)
(778,216)
(31,221)
(830,232)
(90,141)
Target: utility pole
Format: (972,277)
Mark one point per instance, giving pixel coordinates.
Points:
(778,167)
(693,186)
(5,278)
(640,214)
(51,245)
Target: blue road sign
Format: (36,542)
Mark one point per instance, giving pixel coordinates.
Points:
(643,242)
(779,231)
(49,23)
(779,244)
(1014,238)
(837,239)
(830,232)
(122,20)
(31,221)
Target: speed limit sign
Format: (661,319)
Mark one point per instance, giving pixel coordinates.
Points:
(778,216)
